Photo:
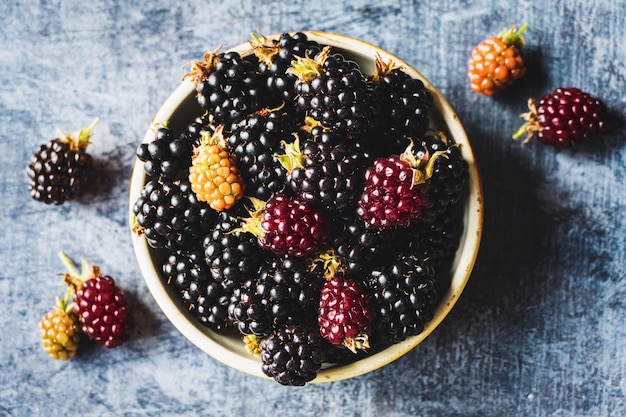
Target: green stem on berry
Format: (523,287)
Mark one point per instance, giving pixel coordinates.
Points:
(75,279)
(382,68)
(513,36)
(215,138)
(252,344)
(200,70)
(78,141)
(307,68)
(422,168)
(292,158)
(264,49)
(252,224)
(531,125)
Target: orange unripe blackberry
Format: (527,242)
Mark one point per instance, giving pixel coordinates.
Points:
(496,62)
(214,176)
(60,331)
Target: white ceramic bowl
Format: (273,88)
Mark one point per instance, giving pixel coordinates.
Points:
(181,108)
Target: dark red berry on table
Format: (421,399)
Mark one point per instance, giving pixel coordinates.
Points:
(496,62)
(286,225)
(99,304)
(395,189)
(563,118)
(57,171)
(60,331)
(293,355)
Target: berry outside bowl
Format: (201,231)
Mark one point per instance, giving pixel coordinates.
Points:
(181,108)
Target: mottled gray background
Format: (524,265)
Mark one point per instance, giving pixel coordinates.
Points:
(540,328)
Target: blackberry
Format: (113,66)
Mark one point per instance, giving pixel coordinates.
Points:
(232,255)
(333,91)
(170,216)
(254,142)
(57,171)
(324,174)
(228,86)
(275,57)
(283,293)
(359,248)
(293,355)
(404,296)
(165,156)
(563,118)
(449,175)
(405,105)
(206,298)
(436,241)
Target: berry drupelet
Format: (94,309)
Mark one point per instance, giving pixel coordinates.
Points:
(57,171)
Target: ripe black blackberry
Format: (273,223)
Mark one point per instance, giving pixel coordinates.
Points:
(283,293)
(206,299)
(405,105)
(436,241)
(324,174)
(333,91)
(358,247)
(404,295)
(57,171)
(228,86)
(450,172)
(232,255)
(275,57)
(292,355)
(170,216)
(255,141)
(166,155)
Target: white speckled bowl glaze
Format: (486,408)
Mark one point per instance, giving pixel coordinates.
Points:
(181,108)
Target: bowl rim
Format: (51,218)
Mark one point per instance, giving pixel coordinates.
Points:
(220,348)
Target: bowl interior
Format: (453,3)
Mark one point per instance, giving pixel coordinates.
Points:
(181,108)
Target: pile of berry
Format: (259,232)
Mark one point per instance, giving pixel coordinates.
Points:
(311,209)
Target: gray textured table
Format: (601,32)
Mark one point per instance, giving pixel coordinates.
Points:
(540,328)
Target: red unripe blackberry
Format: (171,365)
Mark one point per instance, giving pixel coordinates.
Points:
(563,118)
(394,193)
(57,170)
(99,304)
(286,225)
(345,313)
(293,355)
